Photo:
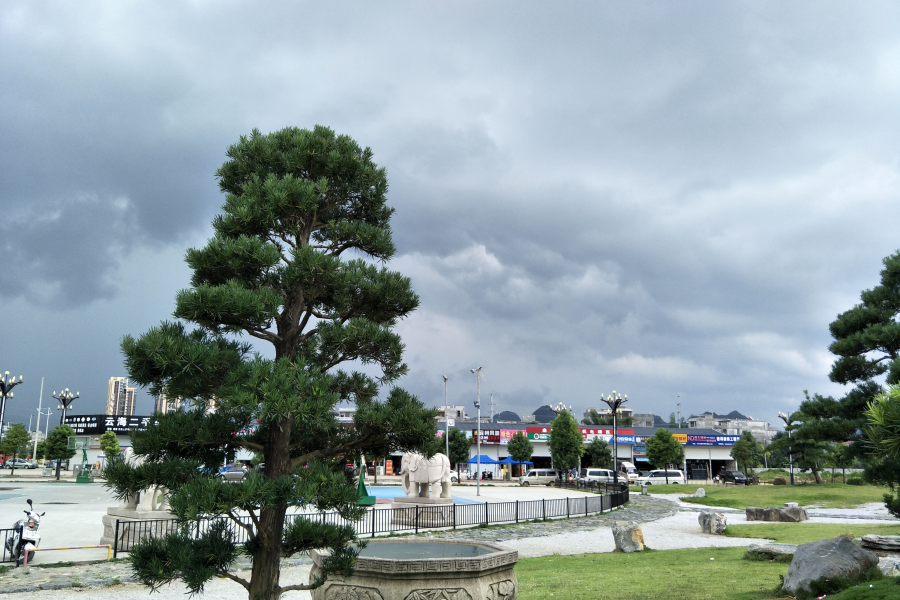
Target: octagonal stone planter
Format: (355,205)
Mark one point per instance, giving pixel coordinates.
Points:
(423,570)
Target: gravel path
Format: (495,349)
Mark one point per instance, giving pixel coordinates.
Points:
(668,524)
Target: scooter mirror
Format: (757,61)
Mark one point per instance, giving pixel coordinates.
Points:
(43,513)
(29,503)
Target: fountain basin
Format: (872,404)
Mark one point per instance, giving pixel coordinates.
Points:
(423,570)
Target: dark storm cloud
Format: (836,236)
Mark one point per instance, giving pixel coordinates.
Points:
(670,198)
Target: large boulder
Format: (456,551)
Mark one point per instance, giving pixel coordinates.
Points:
(827,559)
(771,552)
(881,543)
(628,537)
(700,493)
(776,514)
(779,481)
(712,522)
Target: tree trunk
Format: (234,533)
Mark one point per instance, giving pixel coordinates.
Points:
(818,476)
(267,560)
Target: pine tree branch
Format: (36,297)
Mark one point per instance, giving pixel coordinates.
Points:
(262,334)
(291,588)
(244,526)
(339,449)
(235,578)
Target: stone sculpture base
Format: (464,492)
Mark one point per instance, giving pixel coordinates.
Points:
(486,577)
(422,512)
(128,536)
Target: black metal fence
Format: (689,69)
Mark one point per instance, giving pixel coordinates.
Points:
(5,555)
(388,520)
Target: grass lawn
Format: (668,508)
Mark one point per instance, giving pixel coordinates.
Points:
(671,574)
(803,533)
(826,495)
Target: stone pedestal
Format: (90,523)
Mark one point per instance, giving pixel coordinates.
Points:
(488,576)
(129,532)
(414,511)
(776,514)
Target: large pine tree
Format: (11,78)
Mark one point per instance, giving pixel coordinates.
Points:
(291,268)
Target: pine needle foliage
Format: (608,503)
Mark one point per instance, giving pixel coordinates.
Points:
(295,266)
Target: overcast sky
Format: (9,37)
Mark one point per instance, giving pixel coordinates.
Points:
(667,199)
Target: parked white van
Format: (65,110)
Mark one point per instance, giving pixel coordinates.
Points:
(539,476)
(598,475)
(628,471)
(659,477)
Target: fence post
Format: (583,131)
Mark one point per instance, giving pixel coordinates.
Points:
(567,508)
(454,516)
(517,511)
(417,519)
(486,520)
(116,540)
(544,508)
(373,521)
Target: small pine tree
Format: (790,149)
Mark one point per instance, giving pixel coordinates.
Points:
(664,450)
(459,447)
(520,447)
(600,453)
(566,441)
(109,444)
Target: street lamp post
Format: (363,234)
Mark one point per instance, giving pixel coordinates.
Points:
(7,383)
(478,439)
(787,423)
(446,420)
(66,398)
(614,401)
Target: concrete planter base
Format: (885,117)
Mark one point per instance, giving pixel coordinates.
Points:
(488,577)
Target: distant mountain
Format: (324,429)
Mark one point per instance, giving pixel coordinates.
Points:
(507,415)
(732,415)
(544,414)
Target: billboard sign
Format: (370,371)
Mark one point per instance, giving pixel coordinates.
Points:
(99,424)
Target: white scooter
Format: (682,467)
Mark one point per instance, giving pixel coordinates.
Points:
(27,535)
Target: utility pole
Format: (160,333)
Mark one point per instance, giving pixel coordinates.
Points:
(446,419)
(478,439)
(678,399)
(492,408)
(40,400)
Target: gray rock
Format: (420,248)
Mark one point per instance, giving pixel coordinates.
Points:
(885,543)
(700,493)
(776,514)
(776,552)
(628,536)
(889,566)
(791,504)
(827,559)
(712,522)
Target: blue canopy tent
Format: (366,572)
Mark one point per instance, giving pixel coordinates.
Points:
(483,459)
(509,461)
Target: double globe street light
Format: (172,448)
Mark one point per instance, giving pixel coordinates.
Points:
(7,383)
(614,401)
(66,398)
(788,423)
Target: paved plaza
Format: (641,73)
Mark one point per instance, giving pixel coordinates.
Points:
(74,515)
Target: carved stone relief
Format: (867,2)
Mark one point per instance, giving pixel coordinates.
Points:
(439,594)
(502,590)
(352,592)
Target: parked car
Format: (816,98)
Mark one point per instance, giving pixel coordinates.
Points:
(20,463)
(659,477)
(538,476)
(598,475)
(735,477)
(234,474)
(454,476)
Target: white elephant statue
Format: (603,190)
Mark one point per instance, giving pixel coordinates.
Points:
(418,474)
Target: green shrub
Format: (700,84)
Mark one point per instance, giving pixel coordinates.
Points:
(855,480)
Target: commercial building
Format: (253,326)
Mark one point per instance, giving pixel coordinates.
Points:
(734,423)
(119,397)
(166,405)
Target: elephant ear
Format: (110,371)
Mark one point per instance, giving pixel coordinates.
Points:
(413,465)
